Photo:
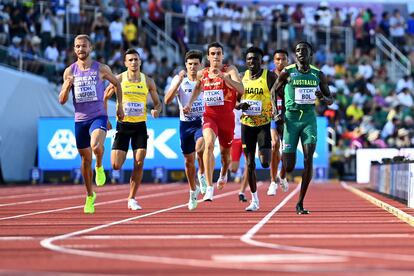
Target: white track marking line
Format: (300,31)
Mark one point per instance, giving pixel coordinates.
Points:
(49,244)
(218,237)
(103,192)
(278,258)
(248,238)
(97,204)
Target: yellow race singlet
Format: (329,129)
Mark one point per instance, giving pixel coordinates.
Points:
(257,94)
(134,99)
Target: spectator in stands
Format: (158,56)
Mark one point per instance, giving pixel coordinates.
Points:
(156,13)
(397,30)
(405,98)
(130,32)
(410,32)
(115,30)
(384,24)
(195,24)
(51,52)
(99,32)
(405,82)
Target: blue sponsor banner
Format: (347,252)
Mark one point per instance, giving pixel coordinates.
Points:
(57,145)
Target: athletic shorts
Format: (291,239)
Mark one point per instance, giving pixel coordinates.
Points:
(223,127)
(298,125)
(190,132)
(134,132)
(252,135)
(83,130)
(236,150)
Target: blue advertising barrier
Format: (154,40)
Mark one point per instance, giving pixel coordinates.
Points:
(57,146)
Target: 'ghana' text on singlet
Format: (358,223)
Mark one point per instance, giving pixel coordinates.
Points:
(218,97)
(185,90)
(88,92)
(134,99)
(300,90)
(257,95)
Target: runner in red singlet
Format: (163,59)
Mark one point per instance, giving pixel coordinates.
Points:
(221,84)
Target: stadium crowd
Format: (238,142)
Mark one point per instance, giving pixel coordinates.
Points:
(370,110)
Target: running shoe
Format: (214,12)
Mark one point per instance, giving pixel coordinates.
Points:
(284,184)
(202,182)
(192,202)
(300,210)
(133,205)
(100,176)
(221,182)
(208,196)
(89,207)
(242,197)
(272,189)
(254,206)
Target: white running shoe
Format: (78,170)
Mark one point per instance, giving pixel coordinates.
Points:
(208,196)
(202,182)
(133,205)
(221,182)
(272,189)
(284,184)
(192,202)
(254,206)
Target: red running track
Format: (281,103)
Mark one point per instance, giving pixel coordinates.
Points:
(43,231)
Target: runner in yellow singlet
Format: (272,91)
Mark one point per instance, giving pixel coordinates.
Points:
(135,89)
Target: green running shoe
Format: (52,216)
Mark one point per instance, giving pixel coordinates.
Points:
(100,176)
(89,204)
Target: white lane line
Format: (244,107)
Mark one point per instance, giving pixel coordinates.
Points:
(49,243)
(218,237)
(97,204)
(155,237)
(278,258)
(248,238)
(338,236)
(103,192)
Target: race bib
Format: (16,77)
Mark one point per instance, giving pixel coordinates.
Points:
(213,97)
(305,95)
(85,93)
(254,109)
(133,109)
(197,109)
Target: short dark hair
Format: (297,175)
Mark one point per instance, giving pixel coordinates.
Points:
(280,51)
(193,54)
(131,51)
(214,45)
(255,50)
(306,43)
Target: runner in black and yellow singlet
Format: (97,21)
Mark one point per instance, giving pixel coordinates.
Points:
(257,109)
(135,89)
(300,84)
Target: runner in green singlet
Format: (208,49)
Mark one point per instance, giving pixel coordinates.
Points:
(300,84)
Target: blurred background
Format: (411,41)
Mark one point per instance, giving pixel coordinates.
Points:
(366,48)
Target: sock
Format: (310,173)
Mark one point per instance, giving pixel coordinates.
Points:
(255,197)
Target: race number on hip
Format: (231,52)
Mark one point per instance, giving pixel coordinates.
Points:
(305,95)
(85,93)
(254,109)
(134,109)
(213,97)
